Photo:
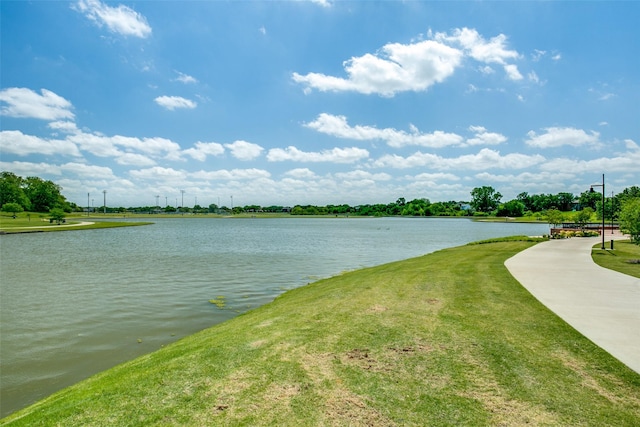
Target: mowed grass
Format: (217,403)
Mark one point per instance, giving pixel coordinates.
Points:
(32,223)
(450,338)
(625,257)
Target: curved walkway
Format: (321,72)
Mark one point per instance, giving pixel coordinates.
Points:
(602,304)
(36,227)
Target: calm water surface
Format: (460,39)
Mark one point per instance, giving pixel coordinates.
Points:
(75,303)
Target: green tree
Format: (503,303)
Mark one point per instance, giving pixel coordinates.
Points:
(511,208)
(554,217)
(11,190)
(485,199)
(584,216)
(590,199)
(565,201)
(630,218)
(44,195)
(57,215)
(525,198)
(13,208)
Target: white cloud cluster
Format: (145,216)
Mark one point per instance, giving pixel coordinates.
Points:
(335,155)
(338,126)
(558,137)
(121,19)
(398,68)
(201,150)
(415,66)
(16,142)
(173,102)
(147,160)
(26,103)
(483,137)
(476,47)
(243,150)
(483,160)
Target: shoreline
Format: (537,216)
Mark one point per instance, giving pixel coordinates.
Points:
(238,334)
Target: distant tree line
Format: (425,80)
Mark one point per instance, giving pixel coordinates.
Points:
(34,194)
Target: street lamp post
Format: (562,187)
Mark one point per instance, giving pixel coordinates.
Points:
(603,207)
(613,209)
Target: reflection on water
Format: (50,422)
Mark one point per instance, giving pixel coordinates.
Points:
(75,303)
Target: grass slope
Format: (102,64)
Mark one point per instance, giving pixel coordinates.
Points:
(449,338)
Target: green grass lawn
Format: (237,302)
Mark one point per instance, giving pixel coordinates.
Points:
(39,222)
(450,338)
(625,257)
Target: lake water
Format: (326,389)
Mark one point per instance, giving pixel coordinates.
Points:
(78,302)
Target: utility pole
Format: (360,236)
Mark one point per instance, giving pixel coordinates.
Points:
(182,205)
(105,200)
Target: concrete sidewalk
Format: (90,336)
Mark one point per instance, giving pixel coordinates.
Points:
(601,304)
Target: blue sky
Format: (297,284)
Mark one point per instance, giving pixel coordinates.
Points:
(319,102)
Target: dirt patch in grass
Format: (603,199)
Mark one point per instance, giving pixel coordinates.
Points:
(341,406)
(505,411)
(622,394)
(377,309)
(257,344)
(347,409)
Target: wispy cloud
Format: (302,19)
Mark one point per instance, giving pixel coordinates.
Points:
(335,155)
(120,19)
(185,78)
(174,102)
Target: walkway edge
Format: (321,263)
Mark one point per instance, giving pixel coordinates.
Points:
(602,304)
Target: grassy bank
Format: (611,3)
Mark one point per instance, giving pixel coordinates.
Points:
(625,257)
(445,339)
(37,223)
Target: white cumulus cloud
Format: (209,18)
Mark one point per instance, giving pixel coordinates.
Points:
(243,150)
(482,137)
(416,66)
(201,150)
(492,51)
(395,68)
(16,142)
(338,126)
(560,136)
(26,103)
